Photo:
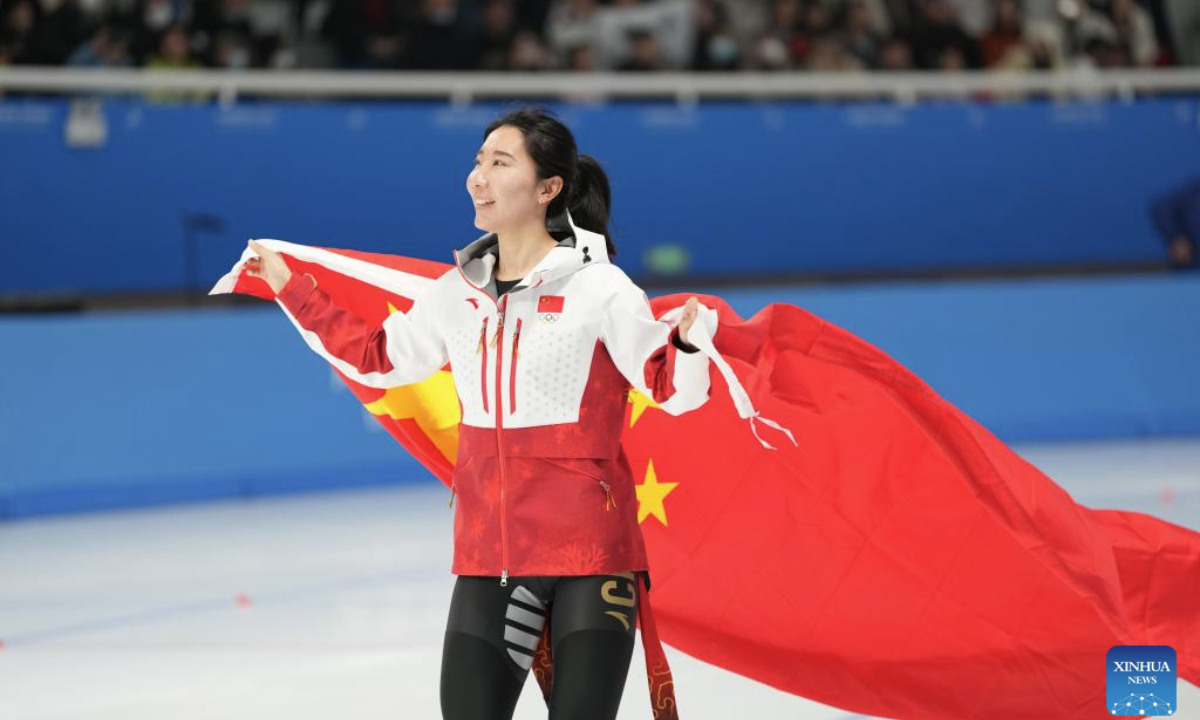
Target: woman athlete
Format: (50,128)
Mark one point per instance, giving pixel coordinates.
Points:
(545,337)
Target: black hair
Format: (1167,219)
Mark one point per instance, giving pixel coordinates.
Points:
(585,184)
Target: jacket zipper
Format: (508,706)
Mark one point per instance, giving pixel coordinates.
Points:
(512,371)
(499,424)
(500,441)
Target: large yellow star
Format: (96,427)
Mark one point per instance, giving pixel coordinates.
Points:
(640,403)
(650,495)
(432,403)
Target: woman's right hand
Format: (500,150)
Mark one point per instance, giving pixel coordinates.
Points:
(269,266)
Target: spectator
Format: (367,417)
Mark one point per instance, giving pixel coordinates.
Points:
(859,37)
(365,33)
(224,34)
(1045,49)
(716,48)
(174,53)
(749,20)
(174,50)
(1004,35)
(788,28)
(895,55)
(1135,33)
(437,41)
(815,20)
(109,47)
(529,54)
(828,55)
(581,59)
(571,24)
(1040,49)
(938,31)
(1176,215)
(644,54)
(1086,32)
(496,35)
(696,34)
(671,22)
(151,21)
(17,27)
(952,59)
(233,50)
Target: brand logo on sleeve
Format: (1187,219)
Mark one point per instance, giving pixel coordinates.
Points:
(1141,680)
(550,307)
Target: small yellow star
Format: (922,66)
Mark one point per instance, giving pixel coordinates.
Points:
(640,403)
(650,495)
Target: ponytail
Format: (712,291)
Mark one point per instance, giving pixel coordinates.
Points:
(590,199)
(586,191)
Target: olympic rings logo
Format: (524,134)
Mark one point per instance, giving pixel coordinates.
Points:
(549,317)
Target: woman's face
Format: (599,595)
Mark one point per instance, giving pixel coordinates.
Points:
(504,186)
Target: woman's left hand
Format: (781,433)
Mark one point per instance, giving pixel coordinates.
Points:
(689,317)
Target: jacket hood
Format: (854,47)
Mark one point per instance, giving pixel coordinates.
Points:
(576,249)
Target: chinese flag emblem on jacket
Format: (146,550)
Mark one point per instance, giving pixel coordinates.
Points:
(550,304)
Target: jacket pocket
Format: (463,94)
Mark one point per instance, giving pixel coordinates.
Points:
(512,371)
(589,469)
(460,467)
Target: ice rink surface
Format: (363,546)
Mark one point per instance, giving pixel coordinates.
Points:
(333,605)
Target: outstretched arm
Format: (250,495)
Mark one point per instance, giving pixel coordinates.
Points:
(651,354)
(405,348)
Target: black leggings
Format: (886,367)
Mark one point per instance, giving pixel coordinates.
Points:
(493,632)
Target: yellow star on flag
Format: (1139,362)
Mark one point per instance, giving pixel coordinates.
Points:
(640,403)
(650,495)
(432,403)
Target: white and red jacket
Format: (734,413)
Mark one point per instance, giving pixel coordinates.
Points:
(542,374)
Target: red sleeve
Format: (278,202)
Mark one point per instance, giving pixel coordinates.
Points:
(344,335)
(660,367)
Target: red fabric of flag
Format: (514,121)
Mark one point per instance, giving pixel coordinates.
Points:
(899,560)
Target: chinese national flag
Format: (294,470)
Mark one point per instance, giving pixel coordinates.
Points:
(897,560)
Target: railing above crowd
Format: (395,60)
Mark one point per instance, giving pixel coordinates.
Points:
(463,88)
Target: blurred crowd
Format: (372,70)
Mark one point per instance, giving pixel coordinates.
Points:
(583,35)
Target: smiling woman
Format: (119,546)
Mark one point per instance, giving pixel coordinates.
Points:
(545,337)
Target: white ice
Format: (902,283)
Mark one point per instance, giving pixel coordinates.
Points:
(132,615)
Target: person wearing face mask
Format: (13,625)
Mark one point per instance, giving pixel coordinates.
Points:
(545,336)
